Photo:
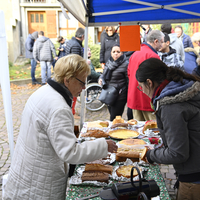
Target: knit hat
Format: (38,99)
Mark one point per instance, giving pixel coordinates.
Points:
(80,32)
(35,35)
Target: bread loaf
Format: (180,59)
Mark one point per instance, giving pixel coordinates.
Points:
(99,167)
(95,133)
(123,159)
(95,176)
(128,154)
(119,125)
(104,124)
(97,124)
(143,154)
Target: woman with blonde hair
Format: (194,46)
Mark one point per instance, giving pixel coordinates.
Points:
(109,40)
(46,143)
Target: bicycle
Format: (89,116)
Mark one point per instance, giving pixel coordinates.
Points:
(93,90)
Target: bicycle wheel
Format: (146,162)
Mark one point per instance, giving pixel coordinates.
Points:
(93,91)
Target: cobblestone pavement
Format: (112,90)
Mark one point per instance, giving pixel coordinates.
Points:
(20,95)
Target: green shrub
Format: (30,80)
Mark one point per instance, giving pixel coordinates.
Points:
(95,50)
(10,64)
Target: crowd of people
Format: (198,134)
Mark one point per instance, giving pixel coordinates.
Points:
(160,82)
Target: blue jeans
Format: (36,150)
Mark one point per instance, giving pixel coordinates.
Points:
(33,67)
(45,70)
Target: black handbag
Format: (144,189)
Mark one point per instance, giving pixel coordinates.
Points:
(109,95)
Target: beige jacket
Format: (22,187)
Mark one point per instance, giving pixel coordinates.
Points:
(45,142)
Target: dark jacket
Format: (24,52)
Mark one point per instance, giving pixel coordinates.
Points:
(119,77)
(187,42)
(178,116)
(29,46)
(43,49)
(62,46)
(74,46)
(106,46)
(196,71)
(172,59)
(93,77)
(190,59)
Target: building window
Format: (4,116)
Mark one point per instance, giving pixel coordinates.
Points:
(32,17)
(36,18)
(41,18)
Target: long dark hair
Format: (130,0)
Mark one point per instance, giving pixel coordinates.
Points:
(157,71)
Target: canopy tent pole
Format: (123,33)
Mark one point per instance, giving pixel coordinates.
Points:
(5,83)
(82,115)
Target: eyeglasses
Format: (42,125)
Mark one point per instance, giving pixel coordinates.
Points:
(109,30)
(140,88)
(82,83)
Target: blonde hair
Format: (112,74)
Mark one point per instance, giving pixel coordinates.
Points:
(112,27)
(70,66)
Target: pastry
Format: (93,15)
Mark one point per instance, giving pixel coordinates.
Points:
(132,122)
(95,176)
(119,125)
(150,124)
(132,142)
(95,133)
(118,119)
(128,153)
(143,154)
(99,167)
(97,124)
(123,134)
(104,124)
(123,159)
(125,171)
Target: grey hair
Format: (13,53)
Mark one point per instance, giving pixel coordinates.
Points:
(153,35)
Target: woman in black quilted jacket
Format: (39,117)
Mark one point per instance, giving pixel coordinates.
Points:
(109,40)
(115,74)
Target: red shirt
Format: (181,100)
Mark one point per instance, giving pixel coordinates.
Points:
(136,99)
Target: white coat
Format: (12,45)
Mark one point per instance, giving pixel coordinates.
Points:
(46,143)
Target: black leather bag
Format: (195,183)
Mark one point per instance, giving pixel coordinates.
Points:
(109,95)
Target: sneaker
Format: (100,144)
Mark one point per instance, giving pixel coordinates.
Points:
(35,83)
(43,84)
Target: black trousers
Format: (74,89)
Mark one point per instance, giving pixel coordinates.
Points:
(117,109)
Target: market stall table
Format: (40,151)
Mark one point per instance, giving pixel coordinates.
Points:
(152,172)
(79,191)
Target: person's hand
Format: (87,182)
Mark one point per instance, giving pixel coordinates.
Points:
(100,81)
(112,147)
(56,58)
(61,49)
(58,49)
(103,65)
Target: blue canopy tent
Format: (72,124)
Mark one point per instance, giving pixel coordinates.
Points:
(129,12)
